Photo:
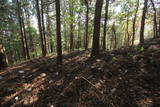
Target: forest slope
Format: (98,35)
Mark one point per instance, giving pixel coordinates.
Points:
(127,77)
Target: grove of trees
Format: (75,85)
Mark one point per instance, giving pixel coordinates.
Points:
(34,28)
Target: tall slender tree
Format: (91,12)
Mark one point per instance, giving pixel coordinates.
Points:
(134,22)
(28,17)
(49,29)
(71,12)
(58,32)
(25,38)
(115,36)
(155,20)
(127,29)
(96,33)
(87,20)
(43,27)
(40,28)
(21,29)
(159,28)
(143,21)
(105,25)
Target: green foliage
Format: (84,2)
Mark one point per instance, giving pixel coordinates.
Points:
(72,12)
(130,55)
(140,49)
(114,59)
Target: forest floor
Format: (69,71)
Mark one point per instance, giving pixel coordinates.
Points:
(127,77)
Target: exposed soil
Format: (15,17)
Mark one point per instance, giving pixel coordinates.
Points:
(127,77)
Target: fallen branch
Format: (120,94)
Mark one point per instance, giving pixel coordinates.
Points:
(91,84)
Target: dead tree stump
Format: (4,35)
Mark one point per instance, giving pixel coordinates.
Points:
(3,58)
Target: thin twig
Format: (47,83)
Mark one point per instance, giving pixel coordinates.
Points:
(91,84)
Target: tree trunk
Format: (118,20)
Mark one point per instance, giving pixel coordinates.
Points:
(27,18)
(96,34)
(115,36)
(79,33)
(3,58)
(127,30)
(65,30)
(154,33)
(49,30)
(105,25)
(86,30)
(30,36)
(143,21)
(111,41)
(58,31)
(19,55)
(71,37)
(159,27)
(21,29)
(65,36)
(43,28)
(155,20)
(134,22)
(125,39)
(25,38)
(71,25)
(40,27)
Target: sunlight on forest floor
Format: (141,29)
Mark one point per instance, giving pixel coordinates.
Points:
(115,78)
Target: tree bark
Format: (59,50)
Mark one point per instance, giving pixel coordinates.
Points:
(71,37)
(115,36)
(159,27)
(79,33)
(3,58)
(49,30)
(65,35)
(96,34)
(127,30)
(21,30)
(143,21)
(43,28)
(25,38)
(155,20)
(71,25)
(58,31)
(40,28)
(134,23)
(105,25)
(87,20)
(30,35)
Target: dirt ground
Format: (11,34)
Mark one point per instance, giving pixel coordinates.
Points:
(126,77)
